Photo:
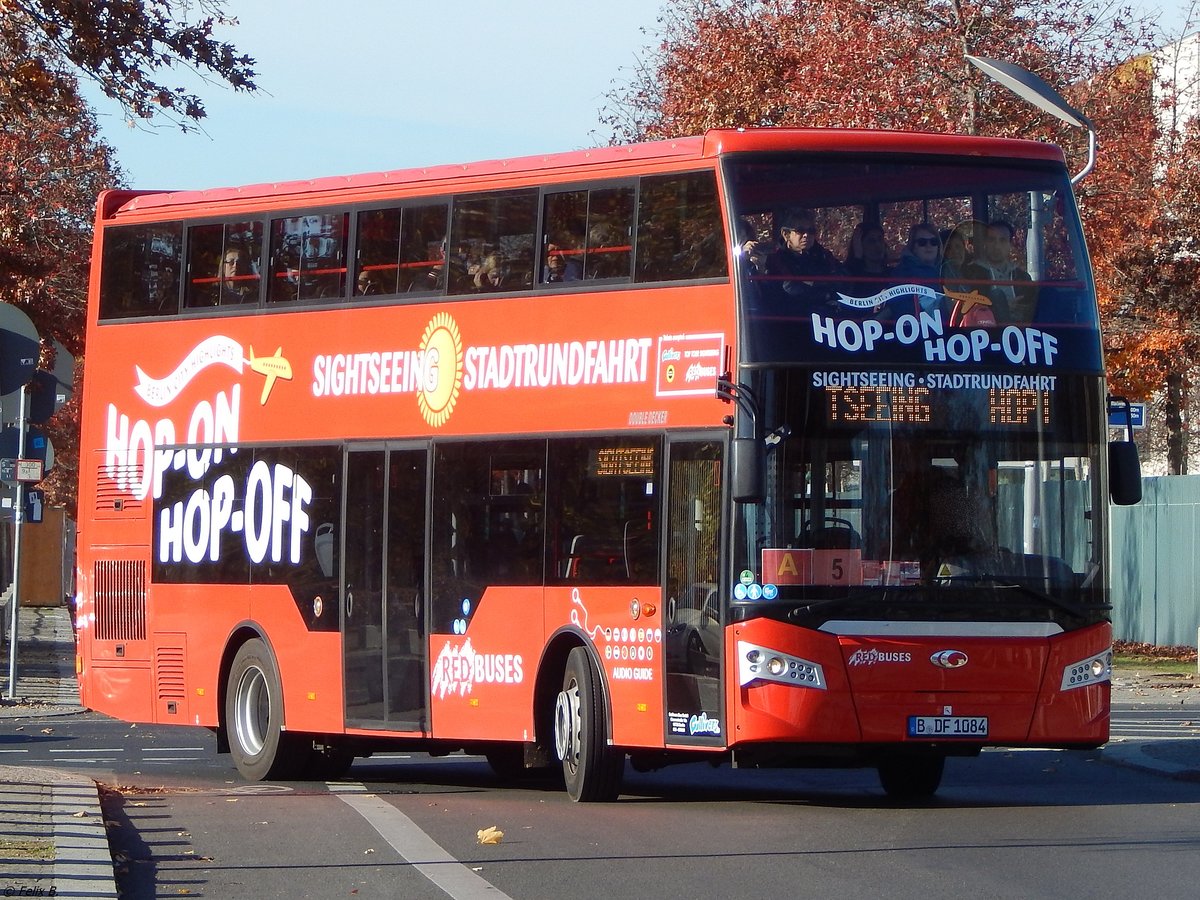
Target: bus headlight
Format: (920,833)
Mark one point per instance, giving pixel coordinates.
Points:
(1093,670)
(757,663)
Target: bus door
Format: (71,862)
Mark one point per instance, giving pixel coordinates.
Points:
(384,588)
(694,637)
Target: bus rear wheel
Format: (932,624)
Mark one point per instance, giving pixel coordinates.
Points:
(911,776)
(254,717)
(591,769)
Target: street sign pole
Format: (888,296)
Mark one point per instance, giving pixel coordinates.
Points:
(18,517)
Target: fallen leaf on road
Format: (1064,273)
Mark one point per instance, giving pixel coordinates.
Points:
(489,835)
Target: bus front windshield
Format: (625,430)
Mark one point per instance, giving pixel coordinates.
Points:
(951,496)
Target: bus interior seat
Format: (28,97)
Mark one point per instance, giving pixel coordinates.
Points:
(571,564)
(831,533)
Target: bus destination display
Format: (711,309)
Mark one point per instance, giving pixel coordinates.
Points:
(622,462)
(1018,408)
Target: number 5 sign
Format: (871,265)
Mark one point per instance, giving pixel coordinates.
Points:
(837,567)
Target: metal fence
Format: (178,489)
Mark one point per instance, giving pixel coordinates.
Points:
(1155,574)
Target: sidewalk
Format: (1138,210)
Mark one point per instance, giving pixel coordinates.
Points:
(53,841)
(1146,690)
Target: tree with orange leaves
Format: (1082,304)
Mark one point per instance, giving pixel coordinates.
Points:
(52,166)
(52,161)
(122,46)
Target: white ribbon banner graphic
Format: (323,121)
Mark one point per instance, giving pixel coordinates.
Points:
(216,350)
(900,290)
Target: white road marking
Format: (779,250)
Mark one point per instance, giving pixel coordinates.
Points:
(407,839)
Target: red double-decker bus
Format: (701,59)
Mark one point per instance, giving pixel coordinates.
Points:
(771,447)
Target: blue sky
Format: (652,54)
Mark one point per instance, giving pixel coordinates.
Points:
(372,85)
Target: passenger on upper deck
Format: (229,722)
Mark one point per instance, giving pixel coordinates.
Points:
(1012,293)
(921,264)
(866,258)
(607,252)
(560,267)
(753,247)
(955,255)
(802,268)
(235,278)
(492,274)
(367,286)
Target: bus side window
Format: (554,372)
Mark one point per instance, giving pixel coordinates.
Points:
(378,267)
(308,257)
(680,233)
(423,248)
(491,242)
(609,233)
(140,272)
(602,511)
(223,264)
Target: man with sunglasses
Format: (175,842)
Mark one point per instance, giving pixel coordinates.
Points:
(802,269)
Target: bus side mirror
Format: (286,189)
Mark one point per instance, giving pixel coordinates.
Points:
(747,462)
(1124,473)
(1124,469)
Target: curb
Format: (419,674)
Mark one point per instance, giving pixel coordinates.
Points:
(1134,755)
(19,711)
(83,868)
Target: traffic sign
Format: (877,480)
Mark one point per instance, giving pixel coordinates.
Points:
(49,390)
(35,502)
(30,470)
(1137,416)
(20,348)
(22,470)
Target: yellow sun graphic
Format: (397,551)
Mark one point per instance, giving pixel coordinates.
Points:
(442,347)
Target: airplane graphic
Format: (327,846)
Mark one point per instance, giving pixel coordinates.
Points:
(272,368)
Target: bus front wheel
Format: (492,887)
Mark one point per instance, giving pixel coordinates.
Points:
(911,776)
(254,716)
(591,769)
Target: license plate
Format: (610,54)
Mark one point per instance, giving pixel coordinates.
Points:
(947,727)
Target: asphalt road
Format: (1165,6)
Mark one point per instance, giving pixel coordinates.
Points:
(1011,823)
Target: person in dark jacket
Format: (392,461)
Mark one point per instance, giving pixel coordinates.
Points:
(802,269)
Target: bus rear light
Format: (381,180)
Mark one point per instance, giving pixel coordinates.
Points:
(757,663)
(1093,670)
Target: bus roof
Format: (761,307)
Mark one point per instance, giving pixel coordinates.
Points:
(708,146)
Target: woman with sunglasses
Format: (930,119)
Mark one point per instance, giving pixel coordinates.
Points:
(921,264)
